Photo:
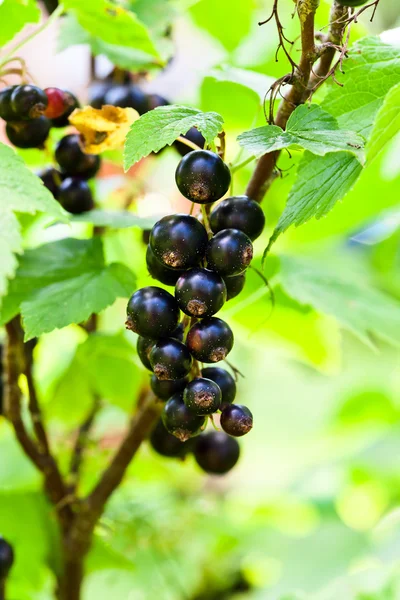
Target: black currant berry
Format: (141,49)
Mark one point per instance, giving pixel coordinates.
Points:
(127,96)
(229,252)
(351,3)
(193,135)
(51,179)
(170,359)
(168,445)
(202,396)
(6,558)
(216,452)
(202,177)
(179,332)
(75,196)
(179,420)
(97,92)
(6,111)
(166,389)
(155,100)
(28,101)
(234,285)
(28,134)
(179,241)
(238,212)
(210,340)
(159,271)
(236,420)
(73,160)
(152,312)
(143,348)
(200,292)
(71,103)
(225,382)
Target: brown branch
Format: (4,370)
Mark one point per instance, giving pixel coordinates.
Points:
(33,405)
(80,445)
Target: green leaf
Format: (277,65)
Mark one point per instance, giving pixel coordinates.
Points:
(112,24)
(23,192)
(309,127)
(387,124)
(14,15)
(160,127)
(115,219)
(64,282)
(358,307)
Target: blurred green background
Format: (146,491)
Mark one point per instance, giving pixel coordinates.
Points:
(311,511)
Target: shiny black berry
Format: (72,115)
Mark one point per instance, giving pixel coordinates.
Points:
(179,420)
(202,396)
(159,271)
(167,388)
(238,212)
(155,100)
(225,382)
(71,103)
(202,176)
(179,332)
(236,420)
(216,452)
(75,196)
(73,160)
(351,3)
(234,285)
(143,348)
(229,252)
(28,134)
(179,241)
(6,558)
(210,340)
(98,91)
(127,96)
(51,179)
(170,359)
(152,312)
(200,292)
(6,111)
(193,135)
(168,445)
(28,101)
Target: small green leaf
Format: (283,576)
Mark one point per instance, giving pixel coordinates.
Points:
(387,124)
(115,219)
(360,308)
(160,127)
(14,15)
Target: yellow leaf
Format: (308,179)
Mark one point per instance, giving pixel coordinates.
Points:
(103,129)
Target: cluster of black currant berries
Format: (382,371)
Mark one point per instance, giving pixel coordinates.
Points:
(207,269)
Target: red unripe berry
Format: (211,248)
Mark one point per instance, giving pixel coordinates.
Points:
(57,105)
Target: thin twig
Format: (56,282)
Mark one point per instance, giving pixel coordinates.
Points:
(80,445)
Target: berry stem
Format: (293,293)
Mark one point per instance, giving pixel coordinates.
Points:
(206,220)
(187,142)
(243,163)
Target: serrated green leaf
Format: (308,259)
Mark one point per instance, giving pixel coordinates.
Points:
(160,127)
(360,308)
(64,282)
(309,127)
(115,219)
(387,123)
(14,15)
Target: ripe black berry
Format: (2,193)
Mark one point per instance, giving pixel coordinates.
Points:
(143,348)
(200,292)
(97,92)
(6,111)
(28,134)
(229,252)
(166,389)
(210,340)
(216,452)
(28,101)
(351,3)
(159,271)
(72,159)
(75,196)
(127,96)
(170,359)
(51,179)
(238,212)
(179,420)
(202,176)
(178,333)
(154,100)
(152,312)
(167,444)
(234,285)
(6,558)
(202,396)
(179,241)
(236,420)
(70,103)
(193,135)
(225,382)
